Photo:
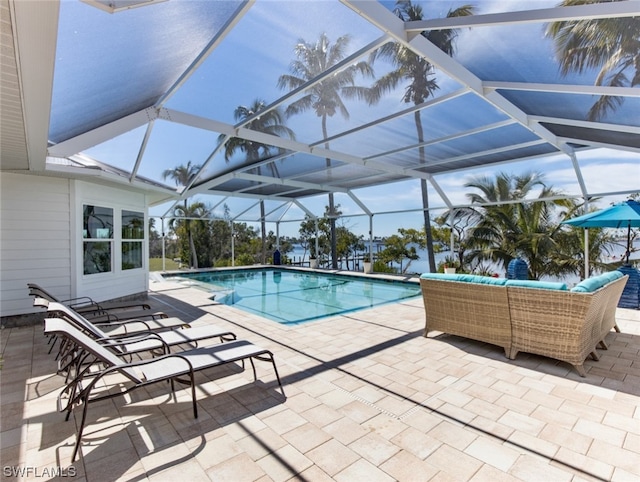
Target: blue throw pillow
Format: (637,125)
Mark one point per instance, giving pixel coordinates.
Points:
(590,285)
(540,285)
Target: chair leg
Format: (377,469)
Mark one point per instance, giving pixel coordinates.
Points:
(270,358)
(580,370)
(275,369)
(193,395)
(85,405)
(616,328)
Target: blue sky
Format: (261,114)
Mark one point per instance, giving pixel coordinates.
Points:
(266,38)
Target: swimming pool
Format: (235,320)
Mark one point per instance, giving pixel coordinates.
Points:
(291,297)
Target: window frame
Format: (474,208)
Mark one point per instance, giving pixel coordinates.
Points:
(117,239)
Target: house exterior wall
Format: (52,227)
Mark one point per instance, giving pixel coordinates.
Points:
(41,241)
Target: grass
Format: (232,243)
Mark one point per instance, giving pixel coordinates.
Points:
(155,264)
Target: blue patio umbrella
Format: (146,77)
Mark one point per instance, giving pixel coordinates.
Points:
(623,215)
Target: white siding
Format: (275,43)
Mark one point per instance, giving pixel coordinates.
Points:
(35,239)
(41,241)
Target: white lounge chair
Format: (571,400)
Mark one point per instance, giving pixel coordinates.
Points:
(145,372)
(131,343)
(105,311)
(113,327)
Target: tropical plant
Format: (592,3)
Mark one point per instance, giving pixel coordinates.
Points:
(155,240)
(610,44)
(420,75)
(310,237)
(508,226)
(185,227)
(308,234)
(458,223)
(401,246)
(569,259)
(183,176)
(271,122)
(325,97)
(348,243)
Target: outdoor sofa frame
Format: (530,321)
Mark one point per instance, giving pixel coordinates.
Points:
(564,325)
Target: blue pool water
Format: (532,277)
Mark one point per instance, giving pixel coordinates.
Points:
(292,297)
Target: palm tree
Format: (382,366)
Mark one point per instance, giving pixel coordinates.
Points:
(271,122)
(570,257)
(183,214)
(420,75)
(183,175)
(610,44)
(325,97)
(508,226)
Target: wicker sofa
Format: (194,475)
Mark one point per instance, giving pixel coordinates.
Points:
(535,317)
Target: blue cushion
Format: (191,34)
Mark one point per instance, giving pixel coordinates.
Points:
(594,283)
(540,285)
(468,278)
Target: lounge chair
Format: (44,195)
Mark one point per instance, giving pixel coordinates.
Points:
(113,327)
(145,372)
(106,311)
(131,343)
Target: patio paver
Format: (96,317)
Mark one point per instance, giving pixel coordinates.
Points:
(367,397)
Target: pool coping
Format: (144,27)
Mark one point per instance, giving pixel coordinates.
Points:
(409,278)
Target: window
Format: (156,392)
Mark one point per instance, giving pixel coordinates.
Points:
(132,239)
(97,239)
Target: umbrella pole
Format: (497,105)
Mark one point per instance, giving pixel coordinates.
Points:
(628,253)
(586,253)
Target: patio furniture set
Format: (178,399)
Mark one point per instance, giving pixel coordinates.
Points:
(535,317)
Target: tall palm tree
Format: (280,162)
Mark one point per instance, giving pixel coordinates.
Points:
(610,44)
(183,175)
(182,214)
(509,227)
(325,97)
(420,75)
(272,122)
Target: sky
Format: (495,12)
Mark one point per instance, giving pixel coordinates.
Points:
(266,37)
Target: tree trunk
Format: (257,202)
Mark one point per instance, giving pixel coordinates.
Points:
(427,226)
(425,196)
(263,227)
(192,248)
(332,224)
(332,219)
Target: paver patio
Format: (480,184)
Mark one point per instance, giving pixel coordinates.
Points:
(367,398)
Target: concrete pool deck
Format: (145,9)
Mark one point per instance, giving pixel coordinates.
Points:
(367,398)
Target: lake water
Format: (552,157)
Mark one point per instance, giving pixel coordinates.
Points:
(421,265)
